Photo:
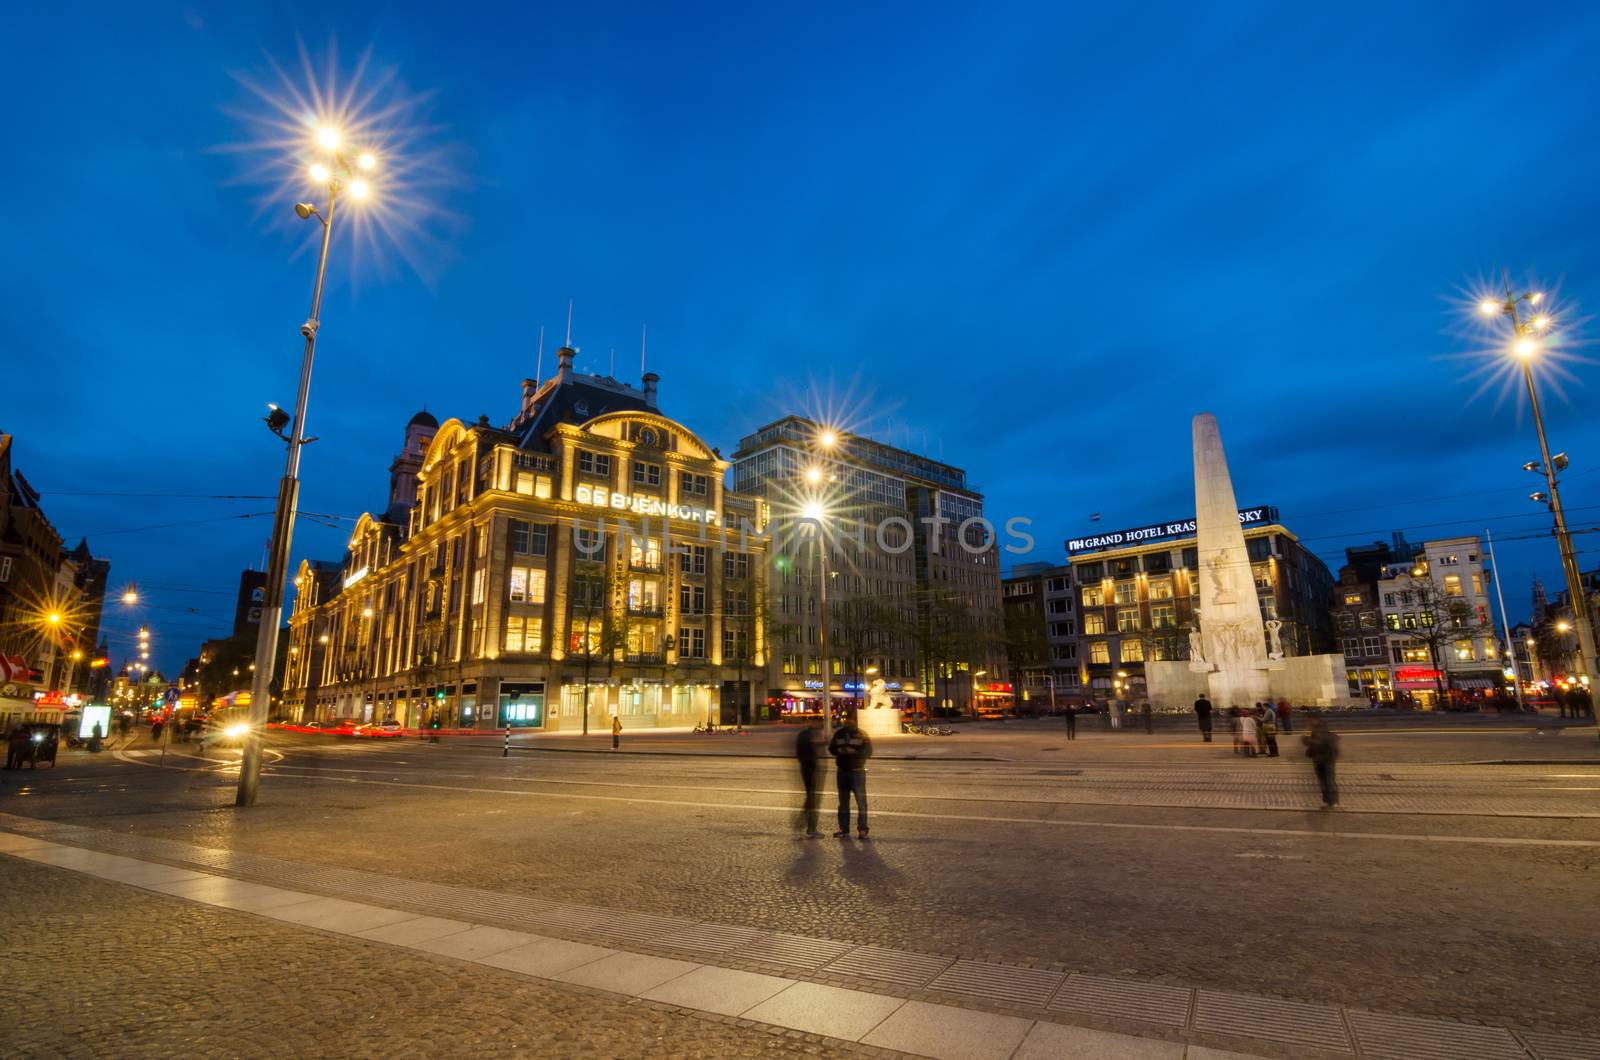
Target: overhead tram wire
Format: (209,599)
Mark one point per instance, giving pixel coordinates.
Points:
(215,519)
(164,496)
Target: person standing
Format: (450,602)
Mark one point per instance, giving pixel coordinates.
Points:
(1283,714)
(1114,712)
(1247,733)
(1268,720)
(616,731)
(1322,747)
(1202,712)
(1582,705)
(1072,723)
(851,748)
(805,753)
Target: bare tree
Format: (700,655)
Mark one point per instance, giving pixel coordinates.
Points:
(1442,618)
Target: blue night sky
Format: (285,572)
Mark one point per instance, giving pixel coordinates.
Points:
(1041,237)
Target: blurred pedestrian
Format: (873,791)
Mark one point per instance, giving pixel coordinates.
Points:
(1268,722)
(1072,723)
(851,748)
(1114,709)
(616,731)
(805,753)
(1582,705)
(1247,733)
(1149,718)
(1322,747)
(1202,712)
(1283,714)
(16,746)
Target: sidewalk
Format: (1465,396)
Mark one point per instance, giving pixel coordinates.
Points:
(924,1004)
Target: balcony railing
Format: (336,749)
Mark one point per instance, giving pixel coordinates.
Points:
(646,610)
(652,658)
(645,564)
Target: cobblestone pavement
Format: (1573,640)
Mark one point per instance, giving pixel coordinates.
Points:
(95,969)
(1485,928)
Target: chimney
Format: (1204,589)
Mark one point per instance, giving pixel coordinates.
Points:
(564,363)
(650,381)
(528,389)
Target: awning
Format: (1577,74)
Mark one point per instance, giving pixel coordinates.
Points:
(1473,682)
(798,693)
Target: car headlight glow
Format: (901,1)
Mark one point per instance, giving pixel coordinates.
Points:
(238,729)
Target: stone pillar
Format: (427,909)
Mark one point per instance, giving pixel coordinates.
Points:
(1233,642)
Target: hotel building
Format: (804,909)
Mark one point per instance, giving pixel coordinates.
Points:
(582,562)
(909,600)
(1138,593)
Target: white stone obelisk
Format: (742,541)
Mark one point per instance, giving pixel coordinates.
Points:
(1232,638)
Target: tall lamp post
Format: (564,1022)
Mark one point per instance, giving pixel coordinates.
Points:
(815,513)
(335,174)
(1526,334)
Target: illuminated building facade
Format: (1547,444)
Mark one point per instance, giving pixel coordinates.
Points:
(580,563)
(907,602)
(1138,591)
(40,579)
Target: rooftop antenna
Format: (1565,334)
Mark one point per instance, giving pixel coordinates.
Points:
(613,372)
(538,376)
(569,323)
(643,332)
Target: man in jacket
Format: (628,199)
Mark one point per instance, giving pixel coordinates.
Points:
(1202,711)
(851,748)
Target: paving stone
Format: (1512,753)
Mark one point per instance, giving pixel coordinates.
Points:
(724,990)
(1054,1041)
(475,943)
(547,958)
(410,932)
(830,1010)
(950,1033)
(290,992)
(626,973)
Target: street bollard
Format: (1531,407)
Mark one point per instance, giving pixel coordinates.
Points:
(505,752)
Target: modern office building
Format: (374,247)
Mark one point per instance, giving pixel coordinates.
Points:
(1041,634)
(1138,592)
(582,562)
(913,582)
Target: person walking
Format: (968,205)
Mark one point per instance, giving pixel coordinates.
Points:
(1283,714)
(1149,718)
(1322,747)
(616,731)
(805,753)
(1114,712)
(1072,723)
(1202,712)
(1268,721)
(851,748)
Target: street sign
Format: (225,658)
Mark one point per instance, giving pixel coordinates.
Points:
(171,695)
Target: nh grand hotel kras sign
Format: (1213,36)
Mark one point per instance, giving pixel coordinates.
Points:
(1140,535)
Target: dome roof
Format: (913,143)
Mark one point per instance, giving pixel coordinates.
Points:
(424,419)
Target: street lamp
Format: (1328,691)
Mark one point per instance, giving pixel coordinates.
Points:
(815,512)
(334,173)
(975,675)
(1525,343)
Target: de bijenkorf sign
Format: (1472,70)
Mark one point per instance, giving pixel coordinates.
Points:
(1141,535)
